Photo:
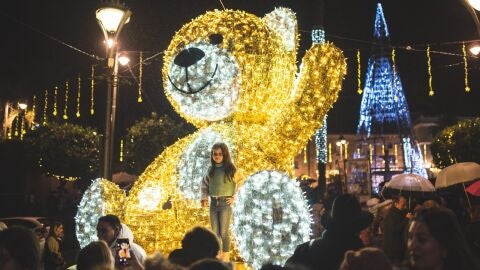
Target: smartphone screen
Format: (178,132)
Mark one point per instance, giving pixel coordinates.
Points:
(123,246)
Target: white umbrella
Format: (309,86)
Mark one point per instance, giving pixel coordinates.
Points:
(457,173)
(410,182)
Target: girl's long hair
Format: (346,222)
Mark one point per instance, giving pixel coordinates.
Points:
(444,227)
(230,168)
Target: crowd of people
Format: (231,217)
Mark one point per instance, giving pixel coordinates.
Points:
(430,239)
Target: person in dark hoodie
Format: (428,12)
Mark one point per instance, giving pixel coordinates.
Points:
(197,244)
(343,225)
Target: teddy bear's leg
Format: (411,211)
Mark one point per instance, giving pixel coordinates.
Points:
(270,218)
(101,198)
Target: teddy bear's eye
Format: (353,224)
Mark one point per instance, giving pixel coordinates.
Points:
(215,39)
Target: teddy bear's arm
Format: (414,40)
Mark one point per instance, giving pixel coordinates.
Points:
(319,82)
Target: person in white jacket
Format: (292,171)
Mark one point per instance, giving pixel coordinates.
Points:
(110,229)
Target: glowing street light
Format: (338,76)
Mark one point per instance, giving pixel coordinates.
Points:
(111,17)
(474,49)
(22,106)
(473,6)
(474,3)
(123,60)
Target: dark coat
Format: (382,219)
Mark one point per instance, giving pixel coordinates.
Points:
(325,253)
(394,234)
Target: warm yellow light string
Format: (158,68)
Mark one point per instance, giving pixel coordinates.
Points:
(9,133)
(140,76)
(34,106)
(359,82)
(22,125)
(65,108)
(330,152)
(55,93)
(79,87)
(121,150)
(358,152)
(425,153)
(467,88)
(346,151)
(383,152)
(17,125)
(395,150)
(92,88)
(45,107)
(305,154)
(430,92)
(394,67)
(370,150)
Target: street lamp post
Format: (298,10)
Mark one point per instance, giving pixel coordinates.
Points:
(111,17)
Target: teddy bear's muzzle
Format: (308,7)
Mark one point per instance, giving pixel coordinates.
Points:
(189,57)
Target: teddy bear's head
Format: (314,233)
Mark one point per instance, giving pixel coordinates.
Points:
(232,65)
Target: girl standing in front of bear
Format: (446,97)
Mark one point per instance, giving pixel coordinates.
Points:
(219,184)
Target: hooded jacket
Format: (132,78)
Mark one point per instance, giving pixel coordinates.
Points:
(137,250)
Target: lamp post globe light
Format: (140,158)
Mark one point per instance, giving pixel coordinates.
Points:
(111,17)
(473,6)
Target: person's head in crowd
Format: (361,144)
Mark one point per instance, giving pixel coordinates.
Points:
(475,213)
(347,215)
(108,228)
(400,202)
(202,241)
(210,264)
(366,236)
(159,262)
(19,249)
(41,233)
(435,241)
(56,230)
(198,243)
(95,256)
(368,258)
(3,226)
(430,204)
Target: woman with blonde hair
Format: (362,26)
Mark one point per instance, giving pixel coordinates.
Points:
(95,256)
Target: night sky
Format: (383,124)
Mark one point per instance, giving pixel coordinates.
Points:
(33,62)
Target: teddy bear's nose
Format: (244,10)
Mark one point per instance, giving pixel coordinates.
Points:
(188,57)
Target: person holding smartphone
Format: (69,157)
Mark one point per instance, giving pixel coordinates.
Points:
(120,240)
(53,258)
(219,184)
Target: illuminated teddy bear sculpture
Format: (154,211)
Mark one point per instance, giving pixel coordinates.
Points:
(235,77)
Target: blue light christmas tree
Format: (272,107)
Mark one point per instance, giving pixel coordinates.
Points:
(384,109)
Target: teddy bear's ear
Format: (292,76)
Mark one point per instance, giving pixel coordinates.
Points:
(284,22)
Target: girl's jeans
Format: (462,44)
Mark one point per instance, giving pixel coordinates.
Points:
(220,216)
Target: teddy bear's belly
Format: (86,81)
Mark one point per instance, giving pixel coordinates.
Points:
(177,174)
(194,162)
